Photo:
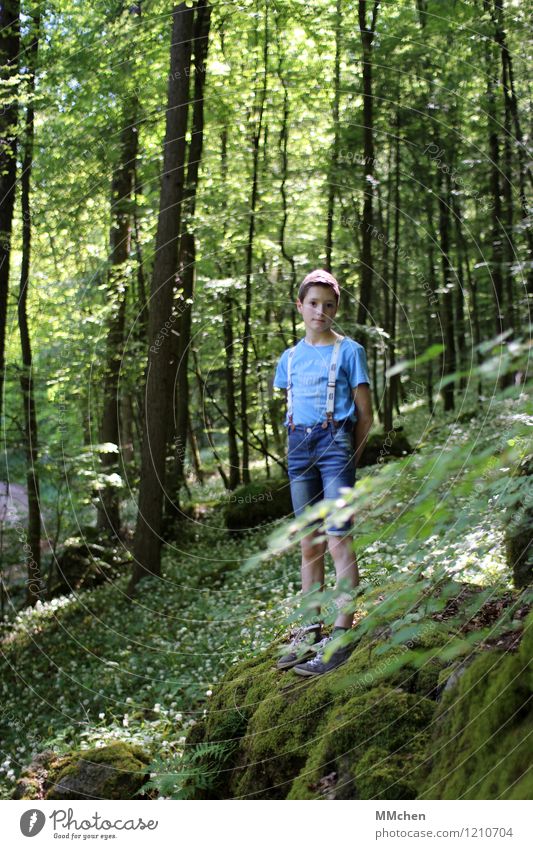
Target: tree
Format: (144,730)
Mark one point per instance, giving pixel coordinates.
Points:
(158,388)
(9,58)
(34,585)
(367,39)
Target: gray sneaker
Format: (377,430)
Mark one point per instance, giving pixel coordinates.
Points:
(304,645)
(318,666)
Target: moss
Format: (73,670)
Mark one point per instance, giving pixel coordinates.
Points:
(351,735)
(480,746)
(279,737)
(117,771)
(365,744)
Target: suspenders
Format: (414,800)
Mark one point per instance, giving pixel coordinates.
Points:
(332,378)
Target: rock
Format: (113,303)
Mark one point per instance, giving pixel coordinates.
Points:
(519,531)
(84,563)
(382,726)
(347,735)
(381,447)
(261,501)
(481,747)
(117,771)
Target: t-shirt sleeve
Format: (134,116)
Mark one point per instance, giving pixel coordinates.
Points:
(357,367)
(280,378)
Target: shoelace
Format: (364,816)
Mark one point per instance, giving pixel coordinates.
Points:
(320,652)
(300,636)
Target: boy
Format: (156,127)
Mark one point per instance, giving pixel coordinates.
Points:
(328,400)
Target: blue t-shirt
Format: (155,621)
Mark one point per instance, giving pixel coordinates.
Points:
(309,372)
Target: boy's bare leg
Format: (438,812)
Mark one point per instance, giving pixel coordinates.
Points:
(346,569)
(312,569)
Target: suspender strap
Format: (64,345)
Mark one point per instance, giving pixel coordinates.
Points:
(289,387)
(332,379)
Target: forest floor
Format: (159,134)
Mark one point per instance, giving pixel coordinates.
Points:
(93,668)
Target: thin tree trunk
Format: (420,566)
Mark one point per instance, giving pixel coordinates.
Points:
(34,585)
(462,253)
(233,449)
(494,156)
(367,38)
(394,380)
(249,259)
(158,392)
(9,60)
(449,358)
(195,453)
(283,148)
(108,520)
(334,166)
(524,170)
(187,255)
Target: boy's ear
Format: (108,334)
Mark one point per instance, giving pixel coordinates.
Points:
(299,304)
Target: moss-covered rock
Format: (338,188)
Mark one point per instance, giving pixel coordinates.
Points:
(258,502)
(369,747)
(291,738)
(86,561)
(117,771)
(381,447)
(481,747)
(389,724)
(519,531)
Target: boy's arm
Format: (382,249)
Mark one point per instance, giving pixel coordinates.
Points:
(365,417)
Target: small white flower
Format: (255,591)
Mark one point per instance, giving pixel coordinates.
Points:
(101,716)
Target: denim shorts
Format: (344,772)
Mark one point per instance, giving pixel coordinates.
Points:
(320,461)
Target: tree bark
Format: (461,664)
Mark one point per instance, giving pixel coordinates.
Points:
(34,585)
(367,38)
(187,256)
(494,157)
(334,165)
(108,520)
(524,170)
(158,389)
(260,105)
(9,60)
(283,148)
(449,358)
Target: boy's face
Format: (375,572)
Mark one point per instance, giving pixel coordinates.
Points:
(318,308)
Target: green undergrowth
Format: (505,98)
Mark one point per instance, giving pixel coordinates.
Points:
(91,669)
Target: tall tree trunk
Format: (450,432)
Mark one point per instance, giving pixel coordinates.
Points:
(394,380)
(158,391)
(34,585)
(108,519)
(187,255)
(524,169)
(283,148)
(494,156)
(449,358)
(334,165)
(463,259)
(259,109)
(9,59)
(233,449)
(367,38)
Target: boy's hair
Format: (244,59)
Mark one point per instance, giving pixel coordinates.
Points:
(319,277)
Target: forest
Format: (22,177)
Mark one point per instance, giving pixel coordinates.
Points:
(169,174)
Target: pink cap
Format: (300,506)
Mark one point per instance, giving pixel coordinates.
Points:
(320,275)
